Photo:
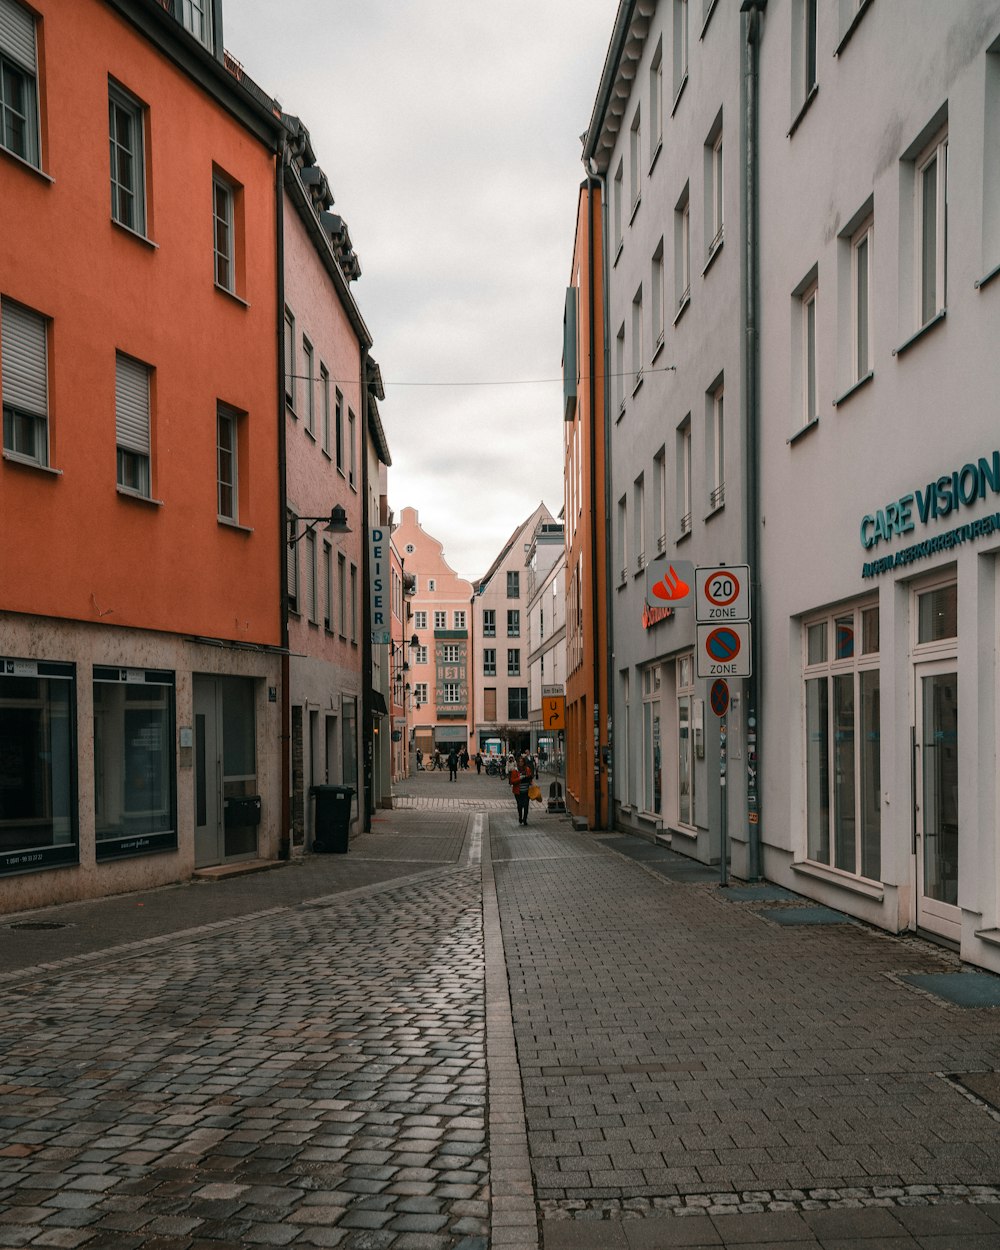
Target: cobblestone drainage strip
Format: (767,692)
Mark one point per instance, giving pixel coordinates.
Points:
(39,924)
(757,894)
(806,915)
(964,989)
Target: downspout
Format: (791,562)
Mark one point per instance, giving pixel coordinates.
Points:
(594,186)
(367,712)
(608,590)
(751,285)
(472,669)
(285,846)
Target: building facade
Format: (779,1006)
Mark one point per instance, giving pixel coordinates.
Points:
(139,715)
(545,570)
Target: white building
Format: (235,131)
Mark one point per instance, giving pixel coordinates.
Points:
(545,565)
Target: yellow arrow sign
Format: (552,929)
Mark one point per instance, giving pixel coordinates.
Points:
(554,711)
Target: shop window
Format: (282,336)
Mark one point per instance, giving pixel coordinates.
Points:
(38,819)
(685,741)
(937,614)
(652,789)
(843,732)
(135,807)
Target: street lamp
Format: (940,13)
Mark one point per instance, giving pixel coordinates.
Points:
(336,523)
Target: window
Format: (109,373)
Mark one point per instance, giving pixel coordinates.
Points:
(38,826)
(327,585)
(861,327)
(513,585)
(716,447)
(680,46)
(617,194)
(622,540)
(324,386)
(196,16)
(341,595)
(420,620)
(517,703)
(440,620)
(312,606)
(620,369)
(354,603)
(458,619)
(807,315)
(132,425)
(310,380)
(636,339)
(227,463)
(656,298)
(635,161)
(932,229)
(652,787)
(684,475)
(451,692)
(290,379)
(513,662)
(135,802)
(639,522)
(660,499)
(714,189)
(128,193)
(489,623)
(24,385)
(451,653)
(656,102)
(684,676)
(292,565)
(431,584)
(338,429)
(419,654)
(808,46)
(352,425)
(420,693)
(222,213)
(682,250)
(514,623)
(489,661)
(18,83)
(842,744)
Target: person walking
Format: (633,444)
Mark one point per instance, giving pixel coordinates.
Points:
(520,782)
(452,765)
(479,761)
(420,760)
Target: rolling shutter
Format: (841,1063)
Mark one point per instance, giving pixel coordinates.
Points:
(132,405)
(17,33)
(25,376)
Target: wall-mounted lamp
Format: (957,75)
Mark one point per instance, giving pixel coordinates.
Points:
(336,523)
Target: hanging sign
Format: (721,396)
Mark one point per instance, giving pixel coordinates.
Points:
(378,592)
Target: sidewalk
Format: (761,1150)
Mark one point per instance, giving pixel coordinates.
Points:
(466,1033)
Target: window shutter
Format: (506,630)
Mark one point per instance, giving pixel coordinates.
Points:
(291,561)
(132,405)
(25,376)
(311,575)
(17,33)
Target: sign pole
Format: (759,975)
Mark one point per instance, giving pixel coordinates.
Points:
(724,818)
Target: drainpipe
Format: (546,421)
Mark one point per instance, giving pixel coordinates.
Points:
(754,10)
(608,590)
(594,186)
(285,738)
(367,712)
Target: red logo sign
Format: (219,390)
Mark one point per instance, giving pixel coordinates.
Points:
(671,586)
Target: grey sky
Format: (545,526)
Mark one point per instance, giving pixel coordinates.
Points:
(449,131)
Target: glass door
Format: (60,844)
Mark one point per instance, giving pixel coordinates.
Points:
(937,799)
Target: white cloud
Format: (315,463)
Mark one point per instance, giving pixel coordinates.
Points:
(449,132)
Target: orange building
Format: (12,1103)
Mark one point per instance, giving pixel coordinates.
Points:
(141,562)
(588,706)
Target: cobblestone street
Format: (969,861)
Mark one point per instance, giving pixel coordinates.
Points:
(466,1034)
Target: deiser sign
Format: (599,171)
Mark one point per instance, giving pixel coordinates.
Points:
(379,581)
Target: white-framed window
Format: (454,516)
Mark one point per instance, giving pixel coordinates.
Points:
(513,661)
(440,620)
(327,585)
(660,499)
(714,231)
(842,740)
(18,83)
(637,340)
(656,306)
(514,623)
(620,369)
(420,654)
(132,434)
(861,294)
(420,619)
(808,307)
(684,676)
(635,160)
(639,522)
(420,693)
(24,383)
(451,692)
(223,218)
(716,448)
(227,462)
(451,653)
(310,365)
(126,122)
(432,584)
(489,623)
(932,229)
(292,563)
(682,250)
(312,597)
(458,619)
(622,540)
(808,46)
(652,754)
(684,516)
(324,386)
(656,101)
(617,202)
(290,378)
(513,585)
(680,45)
(196,17)
(489,661)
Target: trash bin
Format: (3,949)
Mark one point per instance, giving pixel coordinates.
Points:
(333,818)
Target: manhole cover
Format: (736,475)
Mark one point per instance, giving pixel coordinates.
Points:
(39,924)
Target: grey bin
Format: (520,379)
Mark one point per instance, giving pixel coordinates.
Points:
(333,818)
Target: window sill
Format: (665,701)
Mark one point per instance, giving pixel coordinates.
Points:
(843,880)
(13,458)
(855,386)
(621,412)
(637,383)
(708,17)
(656,154)
(809,425)
(126,493)
(680,92)
(618,251)
(139,238)
(987,278)
(657,348)
(309,433)
(928,325)
(326,452)
(290,409)
(230,524)
(682,308)
(683,538)
(712,255)
(714,512)
(27,165)
(863,8)
(635,208)
(238,299)
(806,105)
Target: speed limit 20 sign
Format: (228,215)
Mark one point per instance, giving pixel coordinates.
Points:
(722,594)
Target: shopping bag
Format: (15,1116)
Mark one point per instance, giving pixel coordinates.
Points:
(534,793)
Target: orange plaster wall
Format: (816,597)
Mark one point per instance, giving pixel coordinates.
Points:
(72,546)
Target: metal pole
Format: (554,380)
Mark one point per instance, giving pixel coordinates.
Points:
(724,818)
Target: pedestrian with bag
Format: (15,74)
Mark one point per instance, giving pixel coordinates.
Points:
(452,765)
(520,782)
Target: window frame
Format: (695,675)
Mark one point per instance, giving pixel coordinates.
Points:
(21,61)
(717,447)
(134,453)
(863,236)
(809,313)
(227,417)
(122,103)
(935,153)
(226,226)
(30,405)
